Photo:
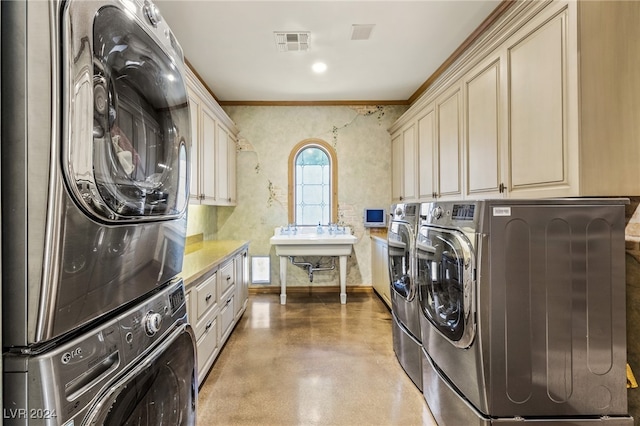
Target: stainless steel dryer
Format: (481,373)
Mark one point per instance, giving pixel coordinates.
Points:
(94,166)
(137,369)
(404,301)
(522,308)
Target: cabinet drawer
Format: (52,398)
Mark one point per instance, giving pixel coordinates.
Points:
(227,278)
(207,342)
(227,316)
(206,295)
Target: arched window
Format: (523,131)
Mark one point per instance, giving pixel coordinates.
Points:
(313,183)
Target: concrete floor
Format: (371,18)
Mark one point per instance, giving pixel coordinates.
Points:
(312,361)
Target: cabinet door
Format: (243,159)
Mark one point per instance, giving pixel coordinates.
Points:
(194,182)
(208,160)
(482,89)
(222,169)
(397,159)
(380,271)
(426,146)
(537,109)
(409,163)
(231,170)
(242,284)
(449,144)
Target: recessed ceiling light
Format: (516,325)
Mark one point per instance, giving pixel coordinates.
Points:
(319,67)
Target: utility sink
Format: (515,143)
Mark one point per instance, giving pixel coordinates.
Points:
(306,241)
(291,241)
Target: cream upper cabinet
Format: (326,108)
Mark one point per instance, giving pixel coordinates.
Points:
(208,158)
(426,154)
(525,113)
(226,171)
(484,130)
(449,143)
(609,93)
(203,126)
(213,145)
(409,162)
(540,69)
(403,159)
(396,167)
(232,169)
(194,179)
(223,166)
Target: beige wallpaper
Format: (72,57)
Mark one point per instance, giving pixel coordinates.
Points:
(267,135)
(202,220)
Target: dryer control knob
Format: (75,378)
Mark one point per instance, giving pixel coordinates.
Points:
(152,12)
(152,323)
(437,212)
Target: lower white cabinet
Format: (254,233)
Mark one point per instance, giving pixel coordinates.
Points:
(215,303)
(242,283)
(380,269)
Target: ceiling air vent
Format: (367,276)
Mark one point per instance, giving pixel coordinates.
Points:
(292,41)
(361,31)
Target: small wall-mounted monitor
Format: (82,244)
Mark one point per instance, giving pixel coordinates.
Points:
(375,218)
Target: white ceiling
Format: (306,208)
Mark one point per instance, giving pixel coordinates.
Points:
(232,47)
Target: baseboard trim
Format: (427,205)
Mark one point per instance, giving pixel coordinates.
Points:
(309,289)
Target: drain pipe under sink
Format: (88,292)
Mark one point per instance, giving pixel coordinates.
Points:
(310,268)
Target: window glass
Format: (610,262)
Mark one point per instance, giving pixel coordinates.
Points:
(312,186)
(313,183)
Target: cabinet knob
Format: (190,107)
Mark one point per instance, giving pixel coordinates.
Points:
(208,326)
(206,299)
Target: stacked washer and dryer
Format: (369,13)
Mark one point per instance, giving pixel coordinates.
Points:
(522,311)
(95,132)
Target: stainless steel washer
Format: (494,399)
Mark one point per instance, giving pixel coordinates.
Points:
(404,301)
(523,311)
(137,369)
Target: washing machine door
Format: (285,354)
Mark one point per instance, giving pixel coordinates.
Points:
(445,268)
(400,241)
(127,127)
(160,391)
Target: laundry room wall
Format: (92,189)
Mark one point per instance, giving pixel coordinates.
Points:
(267,136)
(202,219)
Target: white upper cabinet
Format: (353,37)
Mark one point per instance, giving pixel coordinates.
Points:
(484,135)
(195,190)
(213,148)
(427,160)
(404,162)
(449,143)
(539,67)
(226,171)
(523,113)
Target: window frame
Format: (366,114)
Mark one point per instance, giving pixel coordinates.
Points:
(333,163)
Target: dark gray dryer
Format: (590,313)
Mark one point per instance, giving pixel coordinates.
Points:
(404,301)
(523,311)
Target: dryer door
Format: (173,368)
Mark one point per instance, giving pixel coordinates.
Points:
(160,390)
(128,124)
(445,269)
